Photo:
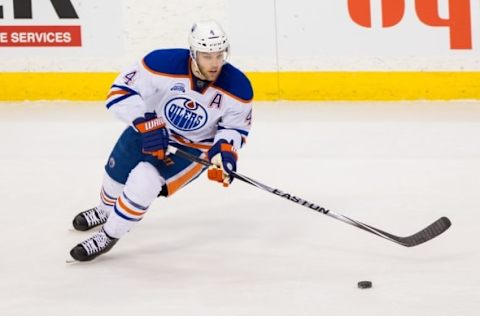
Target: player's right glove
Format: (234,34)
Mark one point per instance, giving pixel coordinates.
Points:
(224,159)
(154,135)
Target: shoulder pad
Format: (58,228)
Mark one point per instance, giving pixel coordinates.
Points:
(168,61)
(233,81)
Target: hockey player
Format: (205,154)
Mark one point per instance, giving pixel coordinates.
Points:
(192,99)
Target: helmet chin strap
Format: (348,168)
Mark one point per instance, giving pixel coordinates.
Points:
(197,71)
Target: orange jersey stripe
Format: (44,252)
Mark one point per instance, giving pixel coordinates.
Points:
(182,141)
(181,181)
(127,209)
(112,93)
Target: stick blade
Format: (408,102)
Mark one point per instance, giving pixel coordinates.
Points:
(429,232)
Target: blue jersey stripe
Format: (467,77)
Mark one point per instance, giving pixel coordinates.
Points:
(234,129)
(115,101)
(125,89)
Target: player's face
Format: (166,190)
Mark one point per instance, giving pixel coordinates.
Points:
(210,64)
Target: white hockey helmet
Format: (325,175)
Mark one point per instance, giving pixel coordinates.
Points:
(208,37)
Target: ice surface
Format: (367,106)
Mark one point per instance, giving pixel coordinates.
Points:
(241,251)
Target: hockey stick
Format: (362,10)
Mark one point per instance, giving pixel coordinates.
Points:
(429,232)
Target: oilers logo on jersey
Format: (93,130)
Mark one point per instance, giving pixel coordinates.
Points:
(185,114)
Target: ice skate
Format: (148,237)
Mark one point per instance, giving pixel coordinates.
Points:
(89,219)
(93,247)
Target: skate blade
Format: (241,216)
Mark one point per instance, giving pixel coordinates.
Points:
(78,231)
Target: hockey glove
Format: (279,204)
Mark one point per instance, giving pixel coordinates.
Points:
(154,135)
(224,159)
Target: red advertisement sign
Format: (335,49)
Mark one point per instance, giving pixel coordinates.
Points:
(40,35)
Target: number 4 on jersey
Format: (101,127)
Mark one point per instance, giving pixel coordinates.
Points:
(129,78)
(248,119)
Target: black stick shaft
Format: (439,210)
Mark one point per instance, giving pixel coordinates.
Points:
(424,235)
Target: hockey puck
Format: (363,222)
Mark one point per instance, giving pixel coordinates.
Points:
(364,284)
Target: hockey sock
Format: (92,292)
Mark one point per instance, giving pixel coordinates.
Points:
(125,214)
(109,193)
(142,187)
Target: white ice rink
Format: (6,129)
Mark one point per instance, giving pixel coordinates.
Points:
(241,251)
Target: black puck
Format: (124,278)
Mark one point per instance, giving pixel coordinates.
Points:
(364,284)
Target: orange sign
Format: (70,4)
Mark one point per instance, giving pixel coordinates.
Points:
(459,21)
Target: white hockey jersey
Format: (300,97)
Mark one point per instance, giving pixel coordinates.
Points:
(162,82)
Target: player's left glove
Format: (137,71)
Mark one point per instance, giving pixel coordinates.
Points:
(224,159)
(154,135)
